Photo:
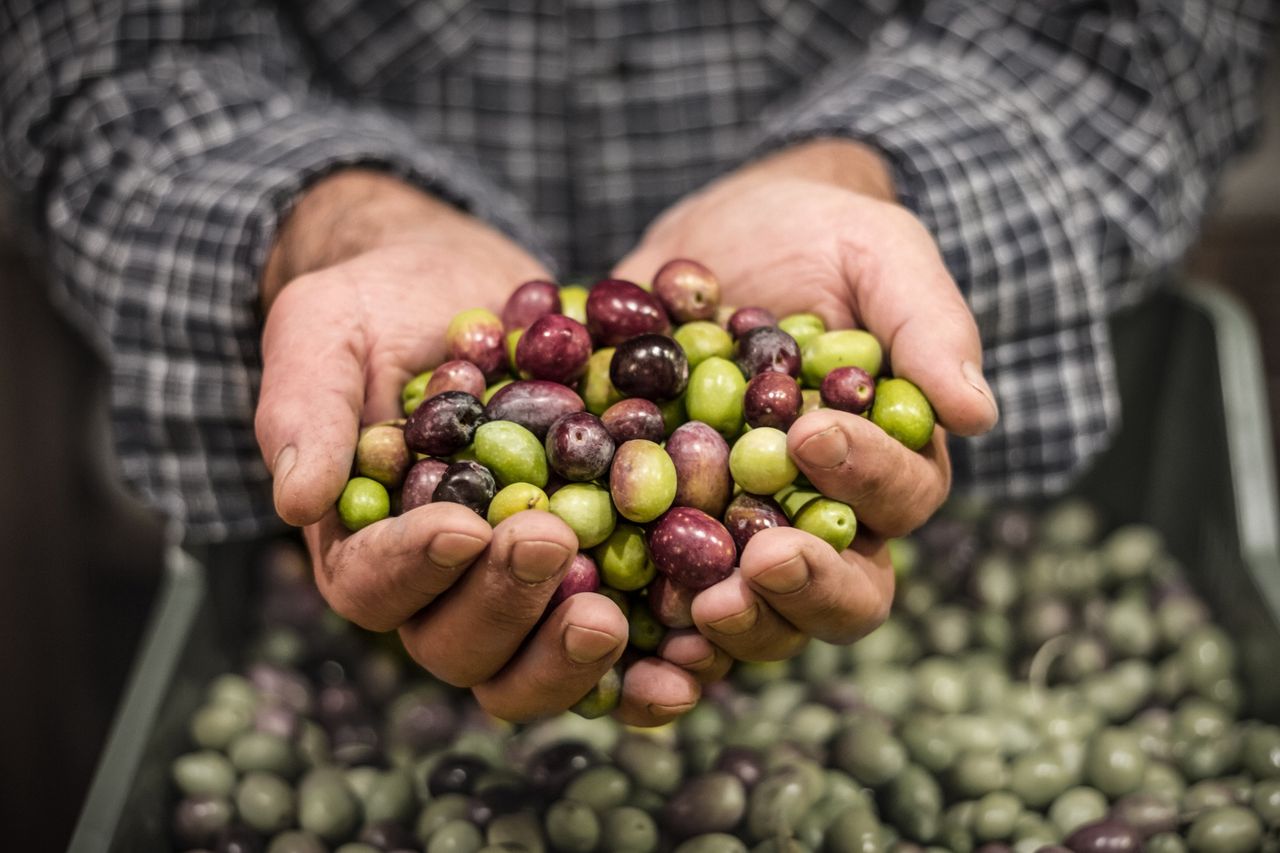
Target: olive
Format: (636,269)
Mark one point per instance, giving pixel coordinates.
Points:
(855,830)
(444,424)
(619,310)
(572,827)
(327,806)
(596,388)
(1261,751)
(713,802)
(555,348)
(1115,762)
(520,831)
(715,842)
(297,841)
(1265,800)
(214,726)
(743,762)
(573,302)
(552,768)
(1207,794)
(387,835)
(1038,776)
(1207,654)
(1147,813)
(477,336)
(634,418)
(649,366)
(768,349)
(977,772)
(362,502)
(533,404)
(913,803)
(994,816)
(265,802)
(204,772)
(456,774)
(528,302)
(777,803)
(603,698)
(263,751)
(197,820)
(467,483)
(1077,807)
(626,829)
(456,836)
(438,812)
(747,318)
(701,457)
(928,744)
(602,788)
(1226,829)
(511,452)
(650,764)
(1104,836)
(869,754)
(1165,842)
(940,685)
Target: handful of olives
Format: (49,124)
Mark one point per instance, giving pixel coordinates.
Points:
(664,449)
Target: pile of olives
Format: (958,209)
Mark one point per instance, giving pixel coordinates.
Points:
(665,450)
(1039,687)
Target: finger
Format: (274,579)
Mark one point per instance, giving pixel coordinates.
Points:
(906,298)
(382,575)
(471,631)
(570,652)
(892,489)
(732,616)
(695,654)
(836,597)
(308,415)
(655,692)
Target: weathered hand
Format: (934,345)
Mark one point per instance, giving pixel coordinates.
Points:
(815,228)
(360,286)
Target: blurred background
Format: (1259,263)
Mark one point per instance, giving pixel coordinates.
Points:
(82,559)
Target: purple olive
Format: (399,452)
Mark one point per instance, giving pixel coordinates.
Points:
(772,400)
(528,302)
(849,389)
(748,514)
(701,457)
(238,838)
(581,576)
(456,376)
(467,483)
(618,310)
(745,319)
(649,366)
(768,348)
(635,417)
(456,774)
(712,802)
(671,603)
(1104,836)
(742,761)
(554,348)
(420,483)
(534,404)
(444,424)
(687,289)
(198,819)
(388,835)
(692,548)
(579,448)
(477,336)
(555,766)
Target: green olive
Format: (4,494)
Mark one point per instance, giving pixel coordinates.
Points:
(597,389)
(573,302)
(414,391)
(1227,829)
(1038,776)
(1115,762)
(994,816)
(626,829)
(702,340)
(587,509)
(215,726)
(869,754)
(913,803)
(901,410)
(650,764)
(456,836)
(204,772)
(363,501)
(327,806)
(804,327)
(842,348)
(263,751)
(572,827)
(602,788)
(714,396)
(511,452)
(265,802)
(830,520)
(515,498)
(1075,807)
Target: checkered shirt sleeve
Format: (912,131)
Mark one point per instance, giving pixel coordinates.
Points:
(164,142)
(1062,154)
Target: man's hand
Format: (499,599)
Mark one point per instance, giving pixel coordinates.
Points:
(815,228)
(359,287)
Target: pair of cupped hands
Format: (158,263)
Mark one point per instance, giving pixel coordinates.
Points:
(364,276)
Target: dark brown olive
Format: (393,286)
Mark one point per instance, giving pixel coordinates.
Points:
(1104,836)
(467,483)
(649,366)
(456,774)
(444,424)
(534,404)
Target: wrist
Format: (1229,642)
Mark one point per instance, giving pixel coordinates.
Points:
(343,215)
(845,163)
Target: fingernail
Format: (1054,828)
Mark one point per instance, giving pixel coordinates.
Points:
(701,664)
(973,375)
(827,449)
(787,576)
(587,645)
(448,550)
(737,623)
(533,561)
(669,711)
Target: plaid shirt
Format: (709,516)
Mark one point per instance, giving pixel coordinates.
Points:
(1061,152)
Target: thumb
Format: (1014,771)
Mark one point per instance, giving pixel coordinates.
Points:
(308,416)
(905,297)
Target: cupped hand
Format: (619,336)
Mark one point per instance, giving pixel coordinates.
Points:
(815,228)
(362,281)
